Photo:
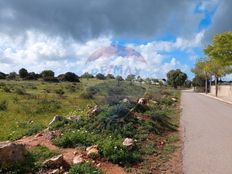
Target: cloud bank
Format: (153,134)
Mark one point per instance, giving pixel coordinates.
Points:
(60,35)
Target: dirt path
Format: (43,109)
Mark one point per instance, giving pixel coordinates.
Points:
(68,153)
(207,125)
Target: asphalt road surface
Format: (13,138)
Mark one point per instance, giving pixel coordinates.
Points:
(207,131)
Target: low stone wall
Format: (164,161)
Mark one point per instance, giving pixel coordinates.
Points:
(223,90)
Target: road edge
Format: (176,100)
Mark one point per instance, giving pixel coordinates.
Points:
(216,98)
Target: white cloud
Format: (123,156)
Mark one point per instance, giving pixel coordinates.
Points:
(36,52)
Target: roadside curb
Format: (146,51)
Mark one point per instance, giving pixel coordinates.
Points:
(216,98)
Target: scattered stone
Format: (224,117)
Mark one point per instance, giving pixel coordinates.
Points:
(96,110)
(142,101)
(154,102)
(74,118)
(11,153)
(75,153)
(56,171)
(54,162)
(78,159)
(98,165)
(174,99)
(125,100)
(128,142)
(92,150)
(56,119)
(39,135)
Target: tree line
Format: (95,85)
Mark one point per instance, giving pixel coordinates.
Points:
(175,78)
(216,64)
(49,76)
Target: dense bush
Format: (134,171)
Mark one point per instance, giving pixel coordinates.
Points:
(79,137)
(12,76)
(23,73)
(100,76)
(110,76)
(85,168)
(69,77)
(48,75)
(87,75)
(113,150)
(110,147)
(32,76)
(41,153)
(89,92)
(2,75)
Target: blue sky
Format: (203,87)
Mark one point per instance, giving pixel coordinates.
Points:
(62,35)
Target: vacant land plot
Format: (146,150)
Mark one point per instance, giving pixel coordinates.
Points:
(27,107)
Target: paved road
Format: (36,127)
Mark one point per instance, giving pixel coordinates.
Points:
(207,126)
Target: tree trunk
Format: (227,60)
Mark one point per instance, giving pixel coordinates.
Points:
(216,86)
(210,84)
(206,85)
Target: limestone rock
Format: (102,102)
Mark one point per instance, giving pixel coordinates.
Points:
(56,119)
(78,159)
(11,153)
(96,110)
(128,142)
(142,101)
(56,171)
(125,100)
(174,99)
(92,150)
(54,162)
(74,118)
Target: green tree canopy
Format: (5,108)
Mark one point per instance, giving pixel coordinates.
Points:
(100,76)
(2,75)
(23,73)
(221,48)
(176,78)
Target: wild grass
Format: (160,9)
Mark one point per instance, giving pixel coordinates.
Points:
(27,107)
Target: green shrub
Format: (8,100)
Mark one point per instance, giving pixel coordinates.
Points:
(89,92)
(3,105)
(71,88)
(79,137)
(84,168)
(6,89)
(110,147)
(60,92)
(166,101)
(40,154)
(33,129)
(161,122)
(47,106)
(86,95)
(113,150)
(20,91)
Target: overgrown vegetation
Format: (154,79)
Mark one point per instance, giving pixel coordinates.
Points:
(34,160)
(147,124)
(85,168)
